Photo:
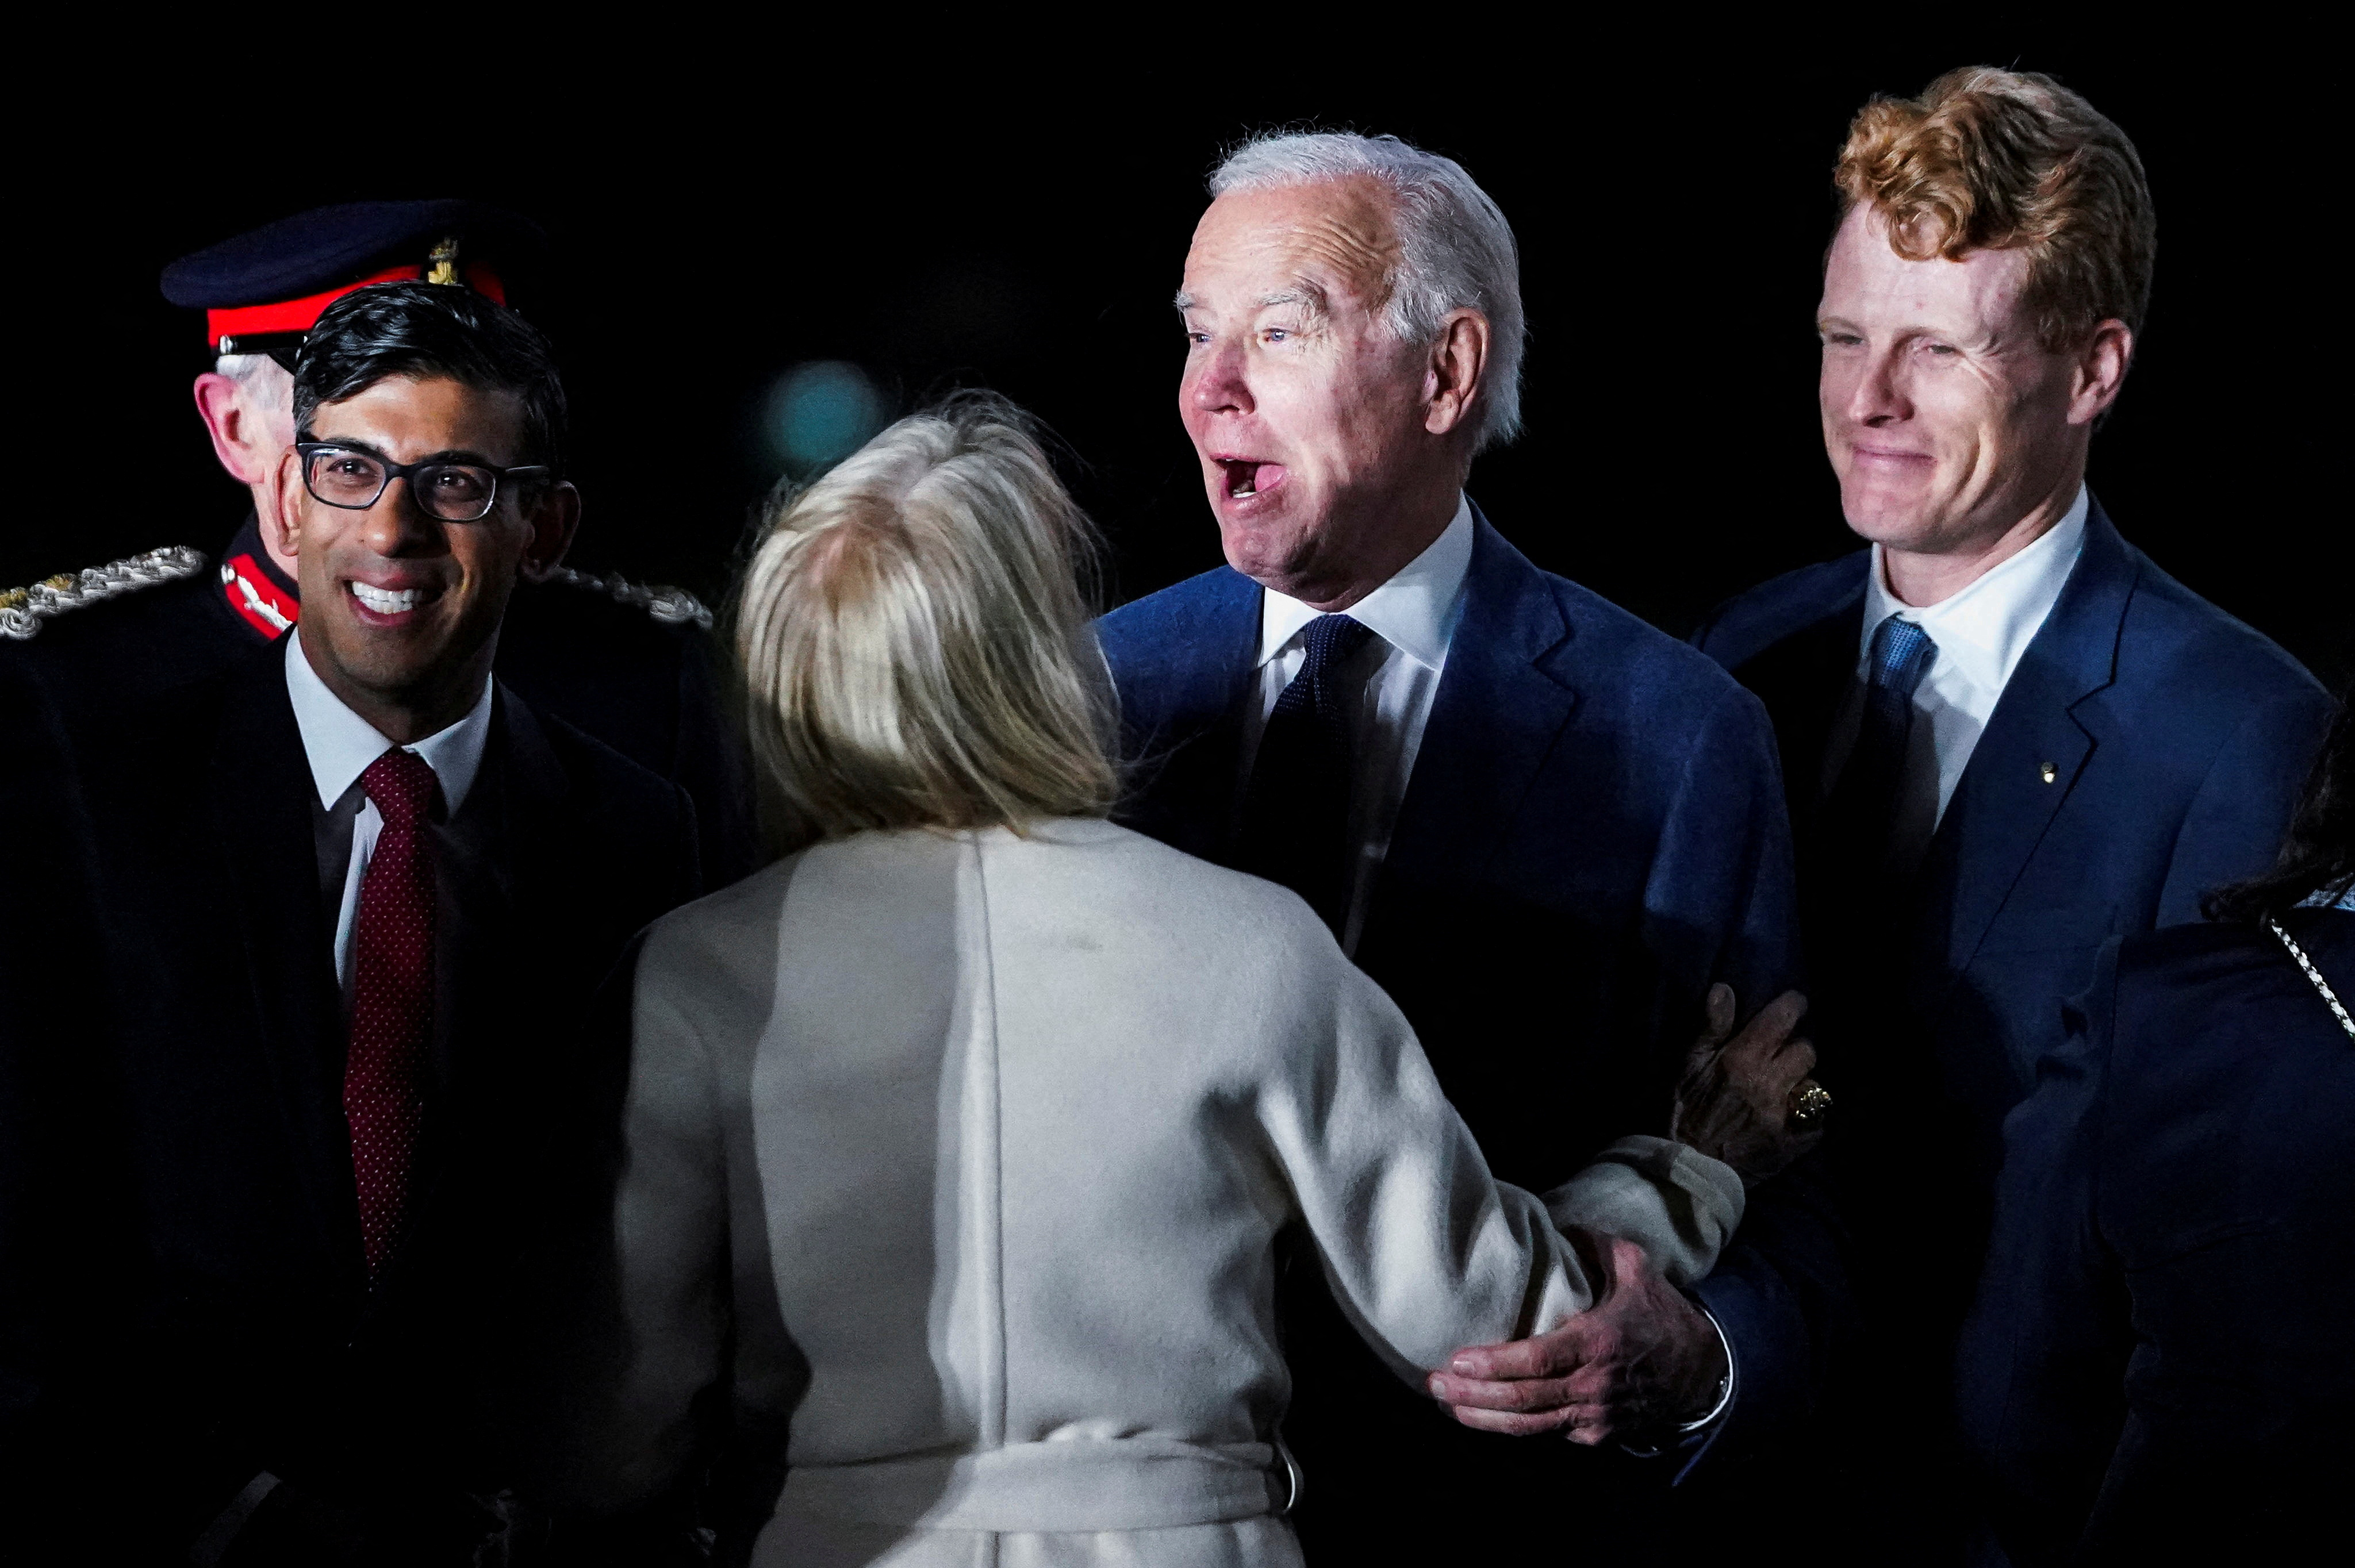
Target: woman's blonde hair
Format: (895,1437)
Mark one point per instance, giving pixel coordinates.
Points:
(915,639)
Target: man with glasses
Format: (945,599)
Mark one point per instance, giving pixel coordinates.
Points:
(631,665)
(304,1041)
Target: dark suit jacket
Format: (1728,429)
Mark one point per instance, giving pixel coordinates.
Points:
(2147,749)
(1593,832)
(188,1303)
(648,689)
(2157,1368)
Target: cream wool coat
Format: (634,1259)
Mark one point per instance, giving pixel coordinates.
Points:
(998,1133)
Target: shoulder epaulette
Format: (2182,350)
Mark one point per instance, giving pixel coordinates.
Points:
(663,603)
(23,609)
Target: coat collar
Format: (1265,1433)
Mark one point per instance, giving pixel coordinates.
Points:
(1182,661)
(2035,748)
(1503,701)
(260,802)
(1188,662)
(503,873)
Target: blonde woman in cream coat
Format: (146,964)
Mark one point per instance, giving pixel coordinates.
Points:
(960,1139)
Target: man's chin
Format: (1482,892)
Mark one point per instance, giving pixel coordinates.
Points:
(1275,563)
(396,663)
(1896,522)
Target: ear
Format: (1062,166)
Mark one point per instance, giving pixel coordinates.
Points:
(1452,378)
(284,521)
(2099,371)
(236,434)
(553,520)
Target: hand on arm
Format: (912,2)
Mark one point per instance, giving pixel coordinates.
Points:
(1640,1363)
(1643,1360)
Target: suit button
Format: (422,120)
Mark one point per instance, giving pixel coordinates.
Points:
(2049,771)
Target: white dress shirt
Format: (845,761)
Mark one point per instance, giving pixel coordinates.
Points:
(339,746)
(1395,675)
(1980,634)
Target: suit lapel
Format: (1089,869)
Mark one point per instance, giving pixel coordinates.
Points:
(1502,703)
(2004,801)
(262,807)
(509,892)
(499,866)
(1802,679)
(1180,716)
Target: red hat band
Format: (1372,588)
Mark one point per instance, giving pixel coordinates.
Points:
(303,315)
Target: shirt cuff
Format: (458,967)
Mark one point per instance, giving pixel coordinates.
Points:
(1725,1387)
(1686,1429)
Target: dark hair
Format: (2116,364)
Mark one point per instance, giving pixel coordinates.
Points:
(433,332)
(2318,852)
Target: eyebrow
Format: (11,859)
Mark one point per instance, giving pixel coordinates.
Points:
(460,454)
(1303,293)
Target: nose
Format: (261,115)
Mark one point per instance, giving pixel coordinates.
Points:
(396,525)
(1879,398)
(1215,382)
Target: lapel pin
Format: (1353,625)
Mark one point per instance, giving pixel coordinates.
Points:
(2049,771)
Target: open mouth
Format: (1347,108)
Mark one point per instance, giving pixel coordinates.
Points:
(391,601)
(1247,477)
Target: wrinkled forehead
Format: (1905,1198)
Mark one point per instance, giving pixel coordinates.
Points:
(1340,237)
(1864,277)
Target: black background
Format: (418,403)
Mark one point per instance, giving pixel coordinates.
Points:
(1021,226)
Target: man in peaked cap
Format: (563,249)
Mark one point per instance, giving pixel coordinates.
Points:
(630,665)
(298,1039)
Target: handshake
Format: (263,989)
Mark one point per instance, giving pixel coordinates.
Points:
(1643,1362)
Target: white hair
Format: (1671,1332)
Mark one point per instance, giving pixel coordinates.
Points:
(1456,249)
(262,379)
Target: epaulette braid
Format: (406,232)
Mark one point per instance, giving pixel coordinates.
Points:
(23,609)
(663,603)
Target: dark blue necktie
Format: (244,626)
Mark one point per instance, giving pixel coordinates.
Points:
(1296,818)
(1861,811)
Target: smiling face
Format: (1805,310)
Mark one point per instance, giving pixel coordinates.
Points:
(1950,427)
(400,609)
(1330,451)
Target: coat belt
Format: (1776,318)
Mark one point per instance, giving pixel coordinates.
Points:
(1083,1484)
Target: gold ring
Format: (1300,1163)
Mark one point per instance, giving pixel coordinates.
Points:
(1809,1102)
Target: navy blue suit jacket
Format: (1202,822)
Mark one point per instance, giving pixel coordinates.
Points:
(2157,1368)
(1593,832)
(2147,749)
(183,1296)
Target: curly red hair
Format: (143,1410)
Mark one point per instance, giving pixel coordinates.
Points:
(1997,160)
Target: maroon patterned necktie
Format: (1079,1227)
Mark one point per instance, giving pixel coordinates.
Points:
(392,999)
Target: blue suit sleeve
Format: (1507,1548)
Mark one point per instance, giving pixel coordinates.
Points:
(2041,1365)
(2235,822)
(1722,896)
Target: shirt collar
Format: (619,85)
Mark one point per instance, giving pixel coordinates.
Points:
(1984,630)
(1414,611)
(340,745)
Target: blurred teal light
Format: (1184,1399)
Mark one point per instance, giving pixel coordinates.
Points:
(820,412)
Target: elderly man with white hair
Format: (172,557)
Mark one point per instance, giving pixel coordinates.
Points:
(1542,826)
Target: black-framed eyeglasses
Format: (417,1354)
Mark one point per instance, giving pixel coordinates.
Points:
(354,478)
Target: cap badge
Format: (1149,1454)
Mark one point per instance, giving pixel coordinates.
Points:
(442,267)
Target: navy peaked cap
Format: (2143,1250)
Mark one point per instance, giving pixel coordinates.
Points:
(328,246)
